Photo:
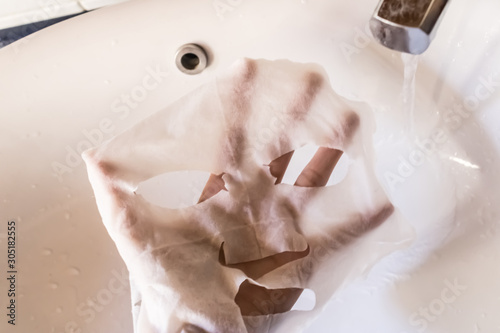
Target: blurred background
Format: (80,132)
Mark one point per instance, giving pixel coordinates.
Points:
(23,17)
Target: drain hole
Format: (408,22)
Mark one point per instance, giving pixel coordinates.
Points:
(190,61)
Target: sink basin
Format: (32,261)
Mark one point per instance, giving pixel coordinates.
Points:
(73,85)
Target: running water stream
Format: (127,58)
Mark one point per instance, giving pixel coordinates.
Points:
(410,63)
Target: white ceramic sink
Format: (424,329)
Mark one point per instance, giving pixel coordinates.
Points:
(64,89)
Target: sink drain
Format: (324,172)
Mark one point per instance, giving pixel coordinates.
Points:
(191,59)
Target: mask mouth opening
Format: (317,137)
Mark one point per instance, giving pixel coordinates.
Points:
(254,300)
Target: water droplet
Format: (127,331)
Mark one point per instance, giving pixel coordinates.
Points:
(68,196)
(32,318)
(114,42)
(53,285)
(47,252)
(59,310)
(67,216)
(107,82)
(73,271)
(33,186)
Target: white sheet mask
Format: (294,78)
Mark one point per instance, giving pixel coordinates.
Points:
(205,268)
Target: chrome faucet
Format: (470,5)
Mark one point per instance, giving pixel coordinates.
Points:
(407,25)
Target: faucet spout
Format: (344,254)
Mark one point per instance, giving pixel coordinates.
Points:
(407,25)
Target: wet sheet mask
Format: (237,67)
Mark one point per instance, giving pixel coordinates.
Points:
(239,259)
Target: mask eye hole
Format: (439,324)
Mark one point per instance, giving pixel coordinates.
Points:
(181,189)
(311,166)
